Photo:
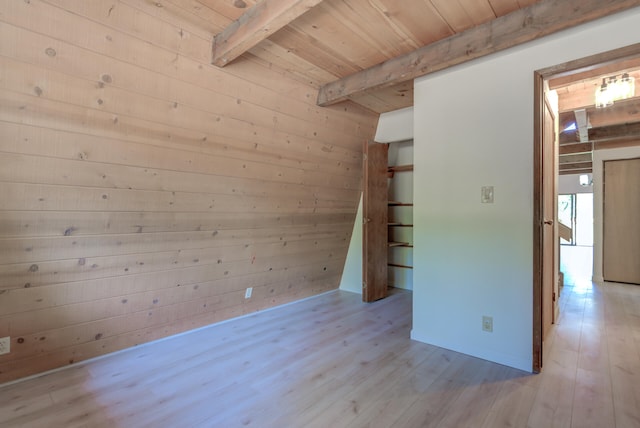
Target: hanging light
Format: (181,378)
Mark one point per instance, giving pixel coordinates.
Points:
(604,95)
(626,87)
(614,90)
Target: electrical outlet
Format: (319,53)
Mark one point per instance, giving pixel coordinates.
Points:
(247,294)
(487,324)
(5,345)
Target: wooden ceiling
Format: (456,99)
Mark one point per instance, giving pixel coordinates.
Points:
(369,51)
(598,128)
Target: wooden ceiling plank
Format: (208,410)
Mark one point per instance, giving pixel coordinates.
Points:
(480,11)
(422,22)
(454,14)
(627,111)
(578,165)
(313,51)
(339,29)
(255,25)
(232,9)
(540,19)
(576,171)
(576,158)
(503,7)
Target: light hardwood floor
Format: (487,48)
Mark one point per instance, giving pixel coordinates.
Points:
(333,361)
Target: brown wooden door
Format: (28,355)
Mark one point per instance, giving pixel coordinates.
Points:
(549,201)
(375,228)
(621,221)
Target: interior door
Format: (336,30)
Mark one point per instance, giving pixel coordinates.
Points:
(621,221)
(550,241)
(375,227)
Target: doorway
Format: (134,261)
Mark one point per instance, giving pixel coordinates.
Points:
(577,146)
(576,254)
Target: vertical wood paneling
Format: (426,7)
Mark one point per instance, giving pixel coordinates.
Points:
(143,190)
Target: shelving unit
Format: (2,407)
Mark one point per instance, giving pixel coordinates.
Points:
(400,223)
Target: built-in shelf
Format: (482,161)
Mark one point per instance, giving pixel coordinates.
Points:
(400,244)
(400,168)
(399,266)
(397,217)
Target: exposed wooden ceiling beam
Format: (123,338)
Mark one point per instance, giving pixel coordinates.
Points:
(523,25)
(569,149)
(626,111)
(626,131)
(616,132)
(256,24)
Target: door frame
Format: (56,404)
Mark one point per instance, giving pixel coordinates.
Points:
(540,76)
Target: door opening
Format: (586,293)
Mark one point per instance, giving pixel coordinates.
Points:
(590,131)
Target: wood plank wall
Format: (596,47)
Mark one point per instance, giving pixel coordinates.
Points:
(142,190)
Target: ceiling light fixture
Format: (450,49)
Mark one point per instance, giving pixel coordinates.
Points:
(614,89)
(585,180)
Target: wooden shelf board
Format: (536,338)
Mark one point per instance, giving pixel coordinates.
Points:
(399,204)
(399,225)
(399,266)
(400,168)
(400,244)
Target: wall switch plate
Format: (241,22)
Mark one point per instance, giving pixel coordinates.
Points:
(5,345)
(248,292)
(487,194)
(487,324)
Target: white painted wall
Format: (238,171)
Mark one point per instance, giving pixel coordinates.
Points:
(395,126)
(571,184)
(352,273)
(473,127)
(599,156)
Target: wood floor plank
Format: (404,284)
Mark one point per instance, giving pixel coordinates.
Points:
(335,361)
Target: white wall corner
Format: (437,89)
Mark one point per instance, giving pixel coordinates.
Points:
(395,126)
(352,272)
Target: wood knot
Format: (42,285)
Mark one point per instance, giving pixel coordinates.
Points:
(50,52)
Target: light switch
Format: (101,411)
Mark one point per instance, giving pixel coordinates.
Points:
(487,194)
